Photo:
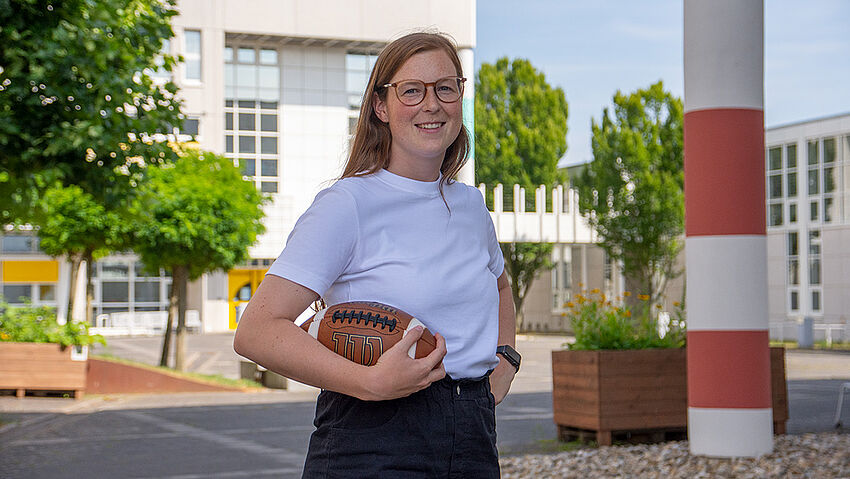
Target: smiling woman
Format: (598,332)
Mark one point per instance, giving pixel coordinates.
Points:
(398,229)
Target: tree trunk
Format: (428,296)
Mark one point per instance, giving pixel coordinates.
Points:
(172,312)
(87,256)
(76,259)
(180,278)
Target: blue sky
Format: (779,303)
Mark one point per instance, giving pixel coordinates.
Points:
(593,48)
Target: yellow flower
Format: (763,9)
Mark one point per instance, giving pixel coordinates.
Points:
(594,291)
(676,304)
(658,306)
(563,314)
(643,297)
(603,299)
(626,294)
(628,314)
(4,336)
(571,305)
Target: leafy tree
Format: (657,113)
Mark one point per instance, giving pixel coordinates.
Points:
(196,215)
(77,104)
(520,134)
(632,191)
(75,224)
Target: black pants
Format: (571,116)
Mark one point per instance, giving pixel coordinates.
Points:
(447,430)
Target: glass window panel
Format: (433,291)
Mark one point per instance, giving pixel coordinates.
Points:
(228,144)
(115,291)
(114,270)
(228,121)
(793,245)
(146,292)
(355,82)
(268,167)
(813,211)
(829,150)
(193,41)
(229,81)
(776,215)
(829,179)
(248,166)
(792,185)
(268,145)
(791,156)
(268,105)
(193,68)
(17,293)
(247,55)
(795,301)
(271,95)
(228,103)
(17,244)
(247,104)
(355,61)
(812,152)
(815,300)
(247,121)
(228,54)
(268,123)
(828,213)
(814,270)
(774,156)
(268,186)
(268,57)
(775,186)
(269,77)
(150,308)
(246,76)
(247,144)
(372,60)
(191,126)
(793,272)
(792,213)
(46,292)
(814,186)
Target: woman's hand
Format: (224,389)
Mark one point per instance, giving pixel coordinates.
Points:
(396,375)
(501,378)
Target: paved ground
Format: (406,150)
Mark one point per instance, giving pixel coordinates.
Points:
(265,434)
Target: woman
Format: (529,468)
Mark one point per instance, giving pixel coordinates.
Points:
(398,230)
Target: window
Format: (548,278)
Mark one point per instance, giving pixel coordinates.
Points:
(775,186)
(813,211)
(775,215)
(17,293)
(795,301)
(15,243)
(268,186)
(793,259)
(774,159)
(46,292)
(146,292)
(792,213)
(160,74)
(814,257)
(268,167)
(115,292)
(792,184)
(791,156)
(192,54)
(248,166)
(815,300)
(124,285)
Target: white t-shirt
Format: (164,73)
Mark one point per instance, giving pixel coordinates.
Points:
(391,239)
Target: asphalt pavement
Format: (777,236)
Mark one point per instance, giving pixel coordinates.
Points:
(194,435)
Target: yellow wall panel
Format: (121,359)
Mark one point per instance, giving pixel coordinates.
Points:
(30,271)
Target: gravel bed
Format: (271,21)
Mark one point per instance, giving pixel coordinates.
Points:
(817,456)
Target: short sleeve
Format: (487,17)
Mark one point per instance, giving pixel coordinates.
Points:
(321,245)
(497,261)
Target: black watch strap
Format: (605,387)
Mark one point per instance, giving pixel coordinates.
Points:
(510,354)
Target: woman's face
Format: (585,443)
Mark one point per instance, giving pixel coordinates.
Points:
(420,133)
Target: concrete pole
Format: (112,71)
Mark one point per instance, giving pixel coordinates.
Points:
(467,61)
(729,397)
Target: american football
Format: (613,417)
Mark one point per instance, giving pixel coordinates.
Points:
(362,330)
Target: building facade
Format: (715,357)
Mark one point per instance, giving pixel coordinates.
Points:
(808,226)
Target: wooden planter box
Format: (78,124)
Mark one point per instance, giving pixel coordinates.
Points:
(42,367)
(634,392)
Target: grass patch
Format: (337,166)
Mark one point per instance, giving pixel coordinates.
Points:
(209,378)
(819,345)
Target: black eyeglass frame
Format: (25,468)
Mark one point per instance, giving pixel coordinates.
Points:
(433,85)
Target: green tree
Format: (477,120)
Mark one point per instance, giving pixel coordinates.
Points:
(197,215)
(632,191)
(77,104)
(76,225)
(520,134)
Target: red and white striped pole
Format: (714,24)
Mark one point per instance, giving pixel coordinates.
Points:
(729,398)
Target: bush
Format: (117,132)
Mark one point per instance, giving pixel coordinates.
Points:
(38,324)
(599,323)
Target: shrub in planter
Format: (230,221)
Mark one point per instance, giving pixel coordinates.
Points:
(38,324)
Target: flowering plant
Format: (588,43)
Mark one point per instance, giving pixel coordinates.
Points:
(38,324)
(599,323)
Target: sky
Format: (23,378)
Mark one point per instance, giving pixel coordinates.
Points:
(591,49)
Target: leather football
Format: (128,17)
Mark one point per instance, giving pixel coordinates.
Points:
(363,330)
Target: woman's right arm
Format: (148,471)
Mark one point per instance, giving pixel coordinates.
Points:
(267,335)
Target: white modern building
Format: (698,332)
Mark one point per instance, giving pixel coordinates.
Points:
(808,232)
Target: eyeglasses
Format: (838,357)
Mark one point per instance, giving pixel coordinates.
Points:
(412,92)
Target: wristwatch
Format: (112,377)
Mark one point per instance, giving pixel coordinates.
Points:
(510,354)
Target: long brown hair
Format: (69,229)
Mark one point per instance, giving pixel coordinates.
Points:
(370,150)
